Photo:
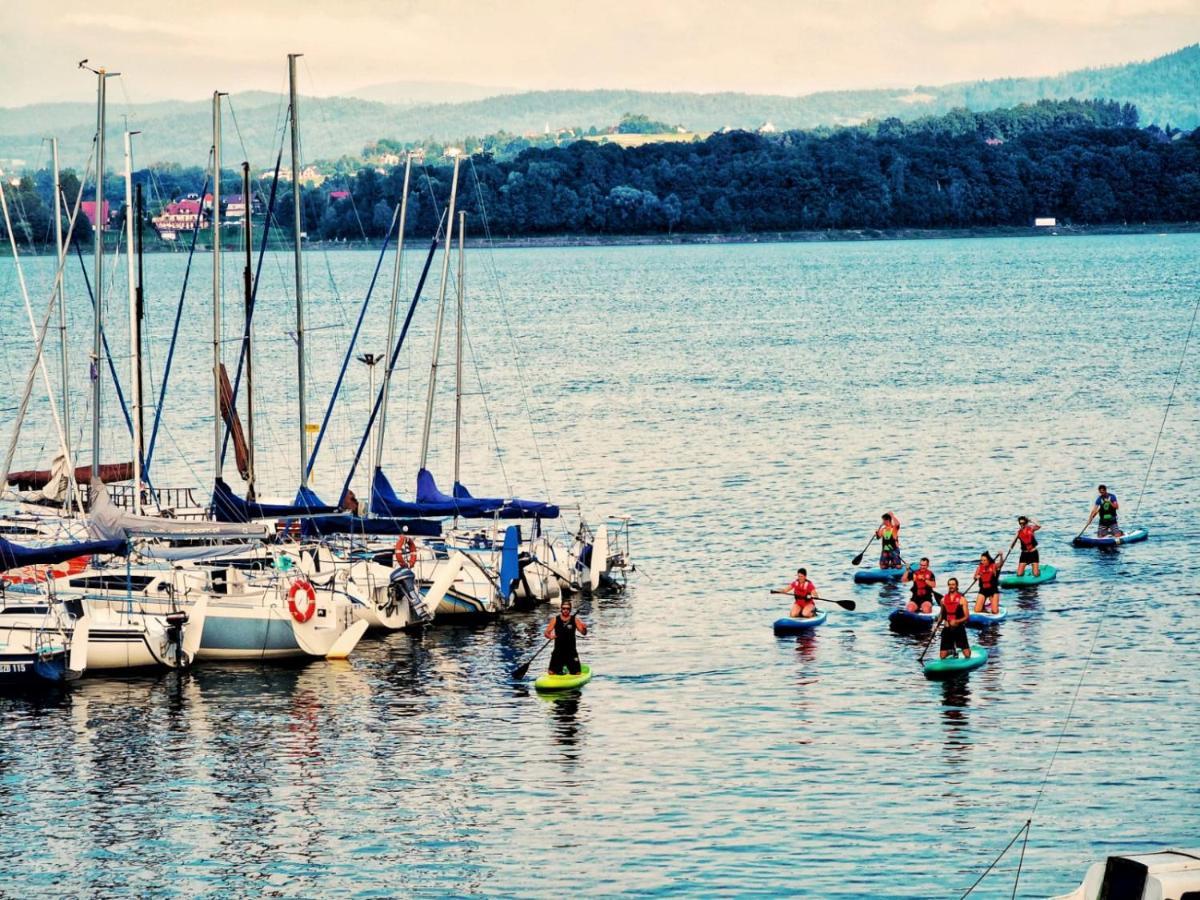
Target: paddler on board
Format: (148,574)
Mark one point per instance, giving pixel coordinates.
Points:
(1106,507)
(889,541)
(1029,546)
(562,630)
(923,582)
(805,593)
(987,573)
(954,615)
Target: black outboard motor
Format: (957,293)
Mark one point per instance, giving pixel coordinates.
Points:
(175,622)
(402,585)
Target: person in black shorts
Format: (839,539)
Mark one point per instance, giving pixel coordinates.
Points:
(562,629)
(1029,546)
(954,614)
(988,576)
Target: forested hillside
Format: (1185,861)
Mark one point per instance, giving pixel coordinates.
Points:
(1164,90)
(1081,162)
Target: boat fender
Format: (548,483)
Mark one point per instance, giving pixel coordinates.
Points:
(405,554)
(302,615)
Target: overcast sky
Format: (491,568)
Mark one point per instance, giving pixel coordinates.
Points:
(173,49)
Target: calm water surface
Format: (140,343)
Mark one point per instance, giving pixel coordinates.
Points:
(754,408)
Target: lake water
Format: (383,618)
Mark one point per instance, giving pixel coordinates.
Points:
(754,408)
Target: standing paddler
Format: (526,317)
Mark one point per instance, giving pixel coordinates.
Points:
(562,629)
(1106,507)
(1029,546)
(889,541)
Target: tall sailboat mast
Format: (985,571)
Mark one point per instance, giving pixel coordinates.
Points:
(437,332)
(297,228)
(216,281)
(98,274)
(135,355)
(62,329)
(391,338)
(248,288)
(458,353)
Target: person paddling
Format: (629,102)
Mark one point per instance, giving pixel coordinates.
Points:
(562,629)
(889,542)
(954,615)
(923,582)
(988,575)
(1029,546)
(805,593)
(1106,507)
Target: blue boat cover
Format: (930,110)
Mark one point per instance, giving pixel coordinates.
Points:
(228,507)
(527,508)
(317,526)
(13,556)
(432,502)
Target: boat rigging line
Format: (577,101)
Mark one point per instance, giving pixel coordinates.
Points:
(1100,620)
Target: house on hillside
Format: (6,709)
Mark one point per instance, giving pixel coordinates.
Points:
(182,216)
(89,210)
(335,196)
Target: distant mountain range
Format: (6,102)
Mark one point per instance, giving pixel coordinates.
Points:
(1163,89)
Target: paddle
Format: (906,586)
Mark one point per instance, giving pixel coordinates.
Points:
(844,604)
(858,559)
(520,671)
(929,643)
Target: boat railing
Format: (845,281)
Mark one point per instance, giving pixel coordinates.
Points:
(173,502)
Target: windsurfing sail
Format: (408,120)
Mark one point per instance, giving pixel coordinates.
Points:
(229,507)
(14,556)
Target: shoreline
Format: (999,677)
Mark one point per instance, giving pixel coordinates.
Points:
(846,235)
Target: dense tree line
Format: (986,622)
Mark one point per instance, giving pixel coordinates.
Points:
(1085,163)
(1082,162)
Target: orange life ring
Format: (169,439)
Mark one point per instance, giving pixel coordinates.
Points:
(302,615)
(406,552)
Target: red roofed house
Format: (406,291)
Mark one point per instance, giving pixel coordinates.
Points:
(89,210)
(334,196)
(181,215)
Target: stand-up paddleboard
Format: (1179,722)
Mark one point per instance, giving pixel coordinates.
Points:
(1046,573)
(955,665)
(551,683)
(877,576)
(987,619)
(911,622)
(1129,537)
(788,625)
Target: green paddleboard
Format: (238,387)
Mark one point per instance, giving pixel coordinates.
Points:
(953,665)
(548,683)
(1048,573)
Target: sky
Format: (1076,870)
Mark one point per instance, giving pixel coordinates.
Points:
(167,49)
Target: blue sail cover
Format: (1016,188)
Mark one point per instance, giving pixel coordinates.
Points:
(432,502)
(229,507)
(481,507)
(14,556)
(318,526)
(528,508)
(384,501)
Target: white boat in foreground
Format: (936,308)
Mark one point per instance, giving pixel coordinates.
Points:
(1159,875)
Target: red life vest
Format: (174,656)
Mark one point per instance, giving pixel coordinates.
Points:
(1027,538)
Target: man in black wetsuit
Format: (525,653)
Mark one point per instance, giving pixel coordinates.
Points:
(562,629)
